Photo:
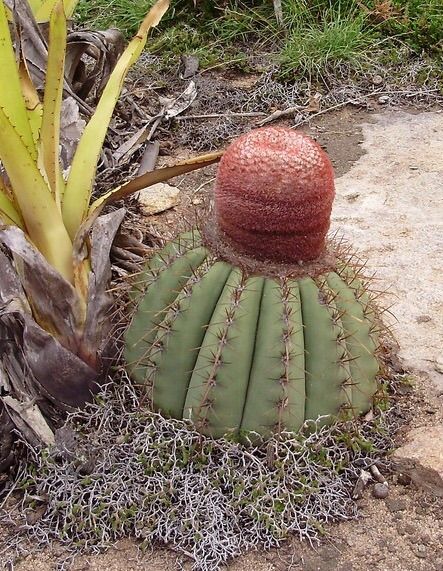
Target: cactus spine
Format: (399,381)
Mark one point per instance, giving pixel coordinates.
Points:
(235,349)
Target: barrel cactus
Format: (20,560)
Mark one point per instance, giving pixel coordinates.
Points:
(256,321)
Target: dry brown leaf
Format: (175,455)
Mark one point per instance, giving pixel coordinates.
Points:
(31,419)
(182,102)
(104,48)
(149,157)
(128,148)
(98,324)
(52,298)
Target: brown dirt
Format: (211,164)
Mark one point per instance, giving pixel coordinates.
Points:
(403,532)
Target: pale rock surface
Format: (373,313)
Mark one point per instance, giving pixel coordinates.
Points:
(425,445)
(390,207)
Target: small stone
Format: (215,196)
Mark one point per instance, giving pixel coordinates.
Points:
(383,99)
(396,505)
(377,80)
(158,198)
(420,551)
(423,319)
(352,196)
(380,491)
(197,201)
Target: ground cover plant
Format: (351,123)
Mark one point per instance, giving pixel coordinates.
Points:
(119,470)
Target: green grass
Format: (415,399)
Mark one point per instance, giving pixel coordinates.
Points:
(179,33)
(127,14)
(315,46)
(317,34)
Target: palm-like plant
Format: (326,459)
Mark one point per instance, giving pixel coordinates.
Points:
(54,245)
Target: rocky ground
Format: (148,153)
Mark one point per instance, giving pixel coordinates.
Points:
(389,205)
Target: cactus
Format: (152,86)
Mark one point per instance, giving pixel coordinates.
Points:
(255,323)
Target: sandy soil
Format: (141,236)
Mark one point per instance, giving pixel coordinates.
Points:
(389,205)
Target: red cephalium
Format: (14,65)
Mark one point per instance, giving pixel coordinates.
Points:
(274,194)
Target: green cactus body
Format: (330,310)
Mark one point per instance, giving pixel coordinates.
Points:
(236,352)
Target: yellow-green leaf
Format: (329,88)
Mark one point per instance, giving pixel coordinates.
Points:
(35,5)
(33,104)
(11,97)
(82,174)
(52,102)
(153,177)
(43,220)
(43,12)
(8,211)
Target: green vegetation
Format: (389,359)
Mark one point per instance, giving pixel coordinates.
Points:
(419,23)
(315,35)
(315,46)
